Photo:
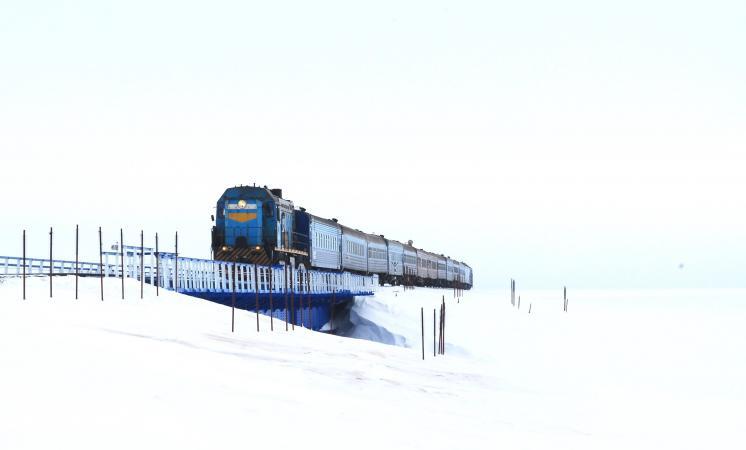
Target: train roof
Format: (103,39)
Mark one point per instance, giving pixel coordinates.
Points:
(353,232)
(329,222)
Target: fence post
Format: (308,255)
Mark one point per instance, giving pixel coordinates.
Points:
(433,332)
(101,263)
(256,294)
(121,254)
(157,266)
(50,262)
(444,329)
(271,309)
(24,264)
(176,264)
(142,264)
(308,301)
(285,272)
(422,328)
(564,307)
(301,285)
(292,299)
(334,301)
(233,298)
(76,262)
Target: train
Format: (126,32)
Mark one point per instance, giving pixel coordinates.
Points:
(257,225)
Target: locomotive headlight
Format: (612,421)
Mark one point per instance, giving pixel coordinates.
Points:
(257,247)
(242,204)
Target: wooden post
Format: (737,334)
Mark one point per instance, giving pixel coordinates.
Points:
(433,332)
(440,330)
(564,307)
(142,264)
(443,344)
(157,266)
(334,301)
(50,262)
(309,299)
(301,287)
(256,294)
(121,253)
(271,308)
(233,298)
(285,272)
(176,263)
(422,327)
(24,264)
(101,263)
(292,299)
(76,262)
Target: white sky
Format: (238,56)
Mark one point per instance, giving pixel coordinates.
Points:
(573,143)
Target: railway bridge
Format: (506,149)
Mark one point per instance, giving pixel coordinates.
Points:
(300,296)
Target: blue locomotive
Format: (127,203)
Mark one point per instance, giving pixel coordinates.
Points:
(257,225)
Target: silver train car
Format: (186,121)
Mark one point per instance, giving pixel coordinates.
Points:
(258,225)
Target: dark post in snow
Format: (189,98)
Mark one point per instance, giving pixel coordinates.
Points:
(76,262)
(519,302)
(444,329)
(440,330)
(256,294)
(564,308)
(233,297)
(301,287)
(176,263)
(292,299)
(433,332)
(308,301)
(24,264)
(334,300)
(50,262)
(422,327)
(157,266)
(142,264)
(101,262)
(121,257)
(285,276)
(271,309)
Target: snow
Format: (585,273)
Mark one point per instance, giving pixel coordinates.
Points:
(621,369)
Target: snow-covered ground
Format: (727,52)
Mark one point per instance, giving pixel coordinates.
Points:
(621,369)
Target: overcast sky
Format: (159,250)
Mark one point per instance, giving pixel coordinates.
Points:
(553,142)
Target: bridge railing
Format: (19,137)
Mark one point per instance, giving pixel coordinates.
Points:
(198,275)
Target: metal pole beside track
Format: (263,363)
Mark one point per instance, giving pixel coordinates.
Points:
(50,262)
(422,327)
(24,264)
(233,298)
(256,294)
(157,266)
(308,301)
(101,263)
(285,272)
(334,301)
(176,263)
(142,264)
(271,309)
(76,262)
(301,288)
(121,253)
(292,299)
